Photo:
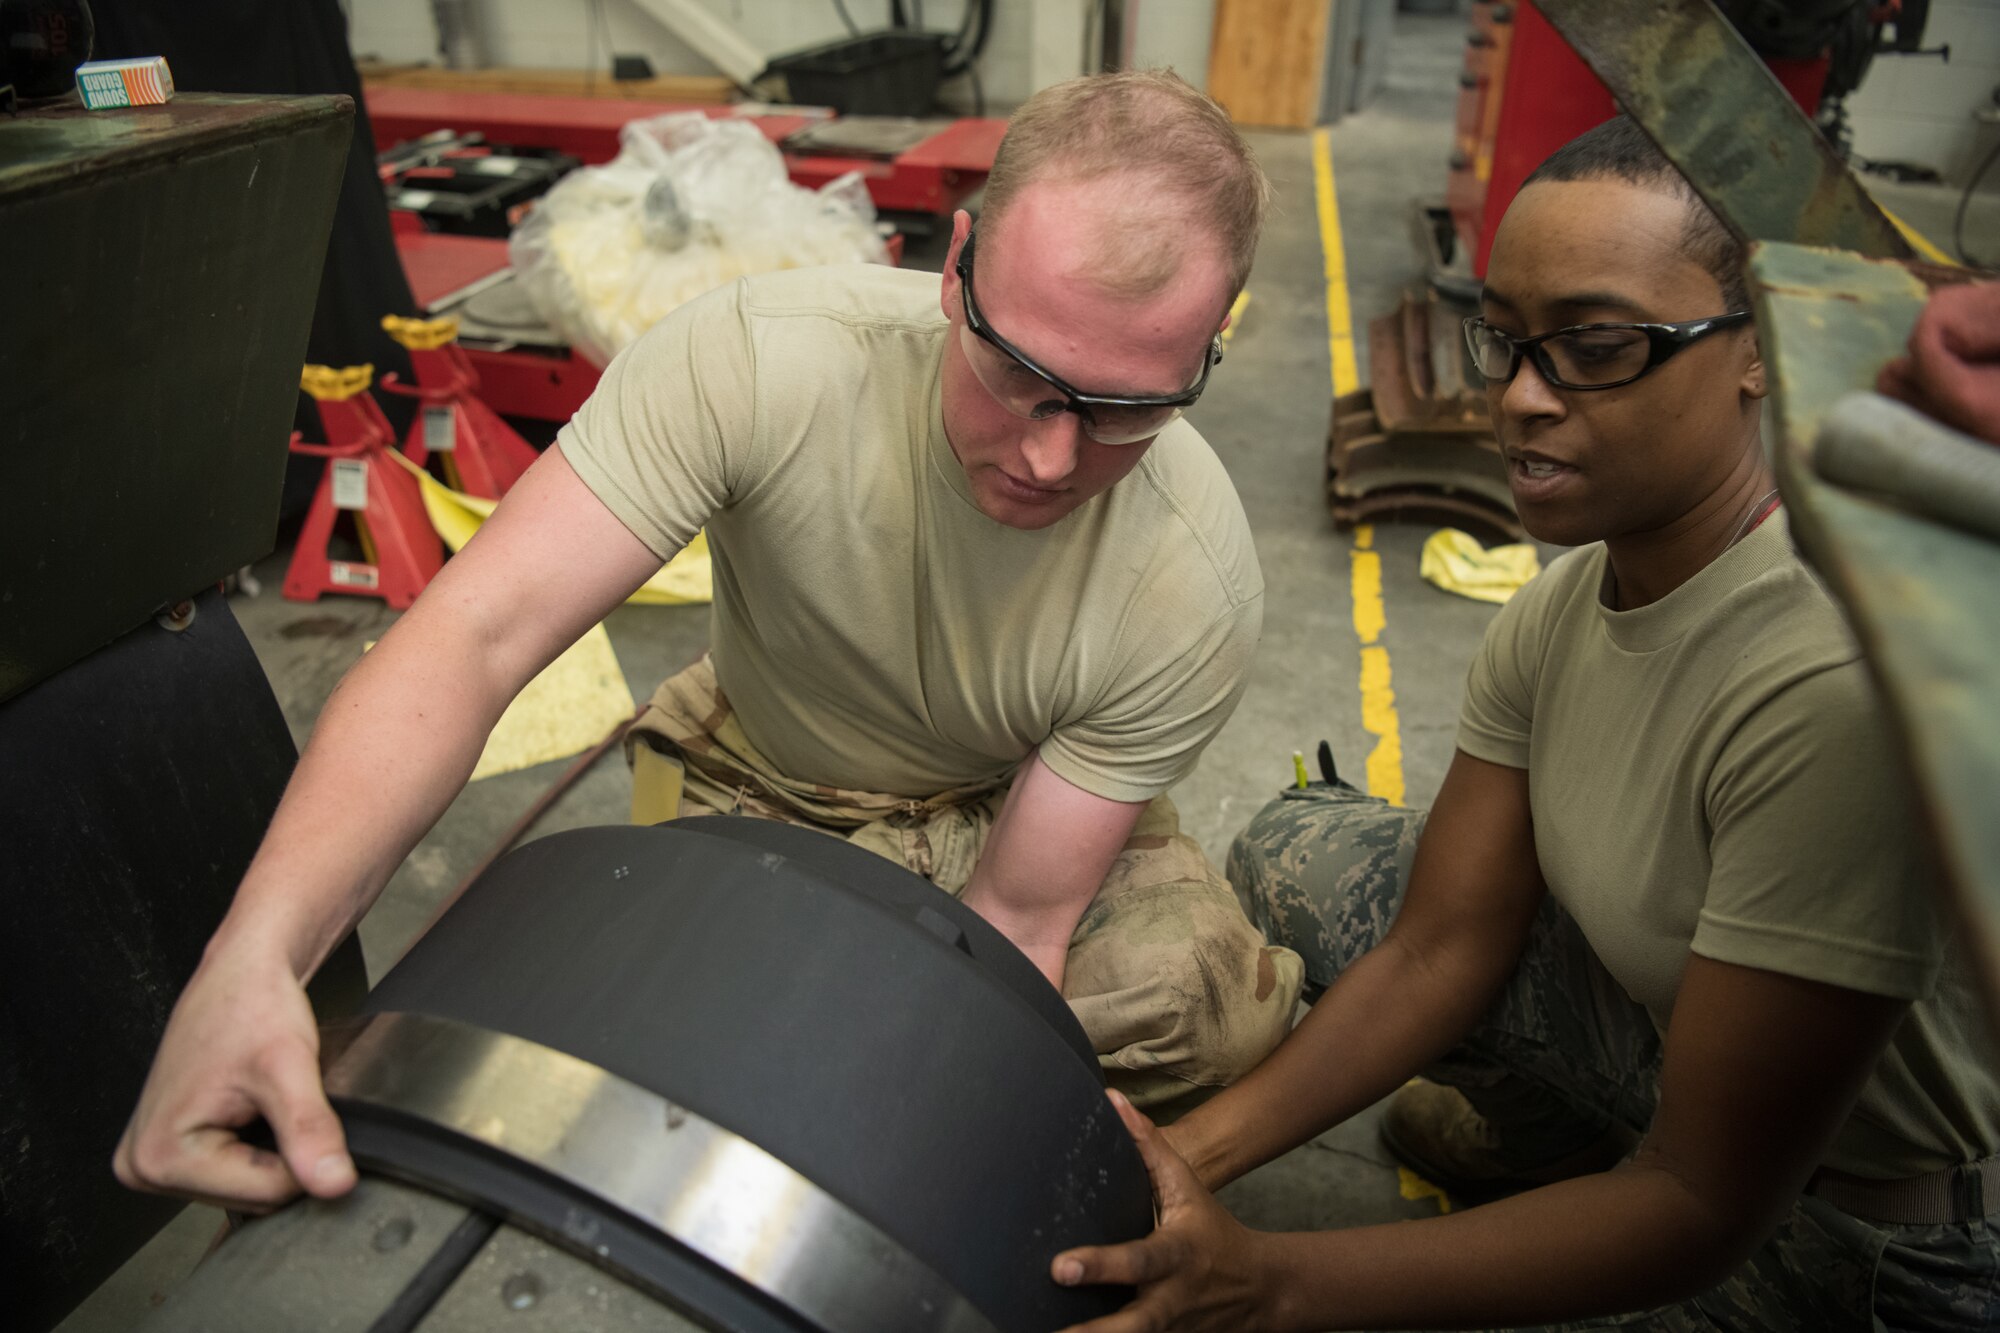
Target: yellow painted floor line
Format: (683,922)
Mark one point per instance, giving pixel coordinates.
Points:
(1339,317)
(1378,695)
(1919,242)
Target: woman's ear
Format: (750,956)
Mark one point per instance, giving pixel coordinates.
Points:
(1755,384)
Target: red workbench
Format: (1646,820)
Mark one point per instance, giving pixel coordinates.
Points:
(549,384)
(542,383)
(933,177)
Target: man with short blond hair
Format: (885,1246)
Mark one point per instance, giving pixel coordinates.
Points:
(1171,142)
(981,599)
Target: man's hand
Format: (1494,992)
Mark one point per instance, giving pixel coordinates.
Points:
(1047,856)
(1952,371)
(241,1044)
(1200,1270)
(391,748)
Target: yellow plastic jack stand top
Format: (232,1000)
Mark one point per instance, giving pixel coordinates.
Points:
(422,335)
(334,384)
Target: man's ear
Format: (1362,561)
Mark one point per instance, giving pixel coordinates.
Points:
(1236,303)
(961,227)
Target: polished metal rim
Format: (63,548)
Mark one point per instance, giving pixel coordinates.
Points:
(709,1189)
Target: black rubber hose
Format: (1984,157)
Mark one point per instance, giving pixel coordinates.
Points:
(1965,202)
(978,90)
(970,40)
(985,28)
(951,66)
(962,36)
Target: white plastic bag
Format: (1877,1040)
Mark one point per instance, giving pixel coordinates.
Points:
(689,203)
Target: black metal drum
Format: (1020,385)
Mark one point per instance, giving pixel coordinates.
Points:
(764,1079)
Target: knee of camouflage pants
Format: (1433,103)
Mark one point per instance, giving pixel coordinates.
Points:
(1561,1052)
(1178,991)
(1321,871)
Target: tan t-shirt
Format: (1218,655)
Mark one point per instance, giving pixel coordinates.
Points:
(1712,773)
(872,628)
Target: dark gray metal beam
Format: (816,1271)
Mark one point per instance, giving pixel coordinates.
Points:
(1692,83)
(1918,589)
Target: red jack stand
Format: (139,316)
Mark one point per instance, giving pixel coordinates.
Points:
(482,454)
(401,550)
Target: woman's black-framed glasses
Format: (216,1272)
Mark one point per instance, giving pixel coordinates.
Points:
(1588,356)
(1024,388)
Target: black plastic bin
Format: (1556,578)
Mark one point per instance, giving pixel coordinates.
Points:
(890,73)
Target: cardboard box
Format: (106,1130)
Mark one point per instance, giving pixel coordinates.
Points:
(104,84)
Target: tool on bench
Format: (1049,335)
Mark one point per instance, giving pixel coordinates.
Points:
(462,184)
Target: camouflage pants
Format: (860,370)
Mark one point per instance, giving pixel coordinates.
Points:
(1177,991)
(1564,1052)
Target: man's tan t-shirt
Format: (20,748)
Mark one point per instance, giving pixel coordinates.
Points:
(1712,773)
(872,628)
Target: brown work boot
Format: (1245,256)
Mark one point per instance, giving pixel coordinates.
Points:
(1437,1133)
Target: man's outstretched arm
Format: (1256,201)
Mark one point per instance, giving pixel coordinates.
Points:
(1049,851)
(393,746)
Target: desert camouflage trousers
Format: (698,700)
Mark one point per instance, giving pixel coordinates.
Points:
(1177,991)
(1564,1052)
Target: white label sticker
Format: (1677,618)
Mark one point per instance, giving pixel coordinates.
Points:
(414,200)
(496,166)
(440,429)
(350,483)
(353,576)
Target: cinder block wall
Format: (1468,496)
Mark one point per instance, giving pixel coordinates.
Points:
(1919,109)
(1912,109)
(556,33)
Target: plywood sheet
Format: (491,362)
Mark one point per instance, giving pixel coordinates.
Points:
(1268,60)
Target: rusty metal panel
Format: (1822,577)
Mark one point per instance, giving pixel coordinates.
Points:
(1828,321)
(1693,84)
(1923,595)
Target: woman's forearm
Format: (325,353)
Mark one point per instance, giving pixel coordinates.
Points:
(1628,1239)
(1394,1011)
(1473,889)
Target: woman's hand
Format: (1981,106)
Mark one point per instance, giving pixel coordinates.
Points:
(1200,1270)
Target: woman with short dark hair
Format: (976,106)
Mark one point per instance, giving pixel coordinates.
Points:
(1670,895)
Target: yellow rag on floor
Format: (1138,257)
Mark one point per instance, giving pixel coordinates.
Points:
(570,706)
(1456,562)
(686,580)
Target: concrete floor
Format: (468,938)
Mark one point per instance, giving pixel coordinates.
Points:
(1266,414)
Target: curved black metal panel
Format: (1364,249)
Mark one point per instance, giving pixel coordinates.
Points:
(652,1191)
(865,1038)
(915,897)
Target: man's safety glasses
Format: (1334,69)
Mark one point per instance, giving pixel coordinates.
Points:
(1027,390)
(1588,356)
